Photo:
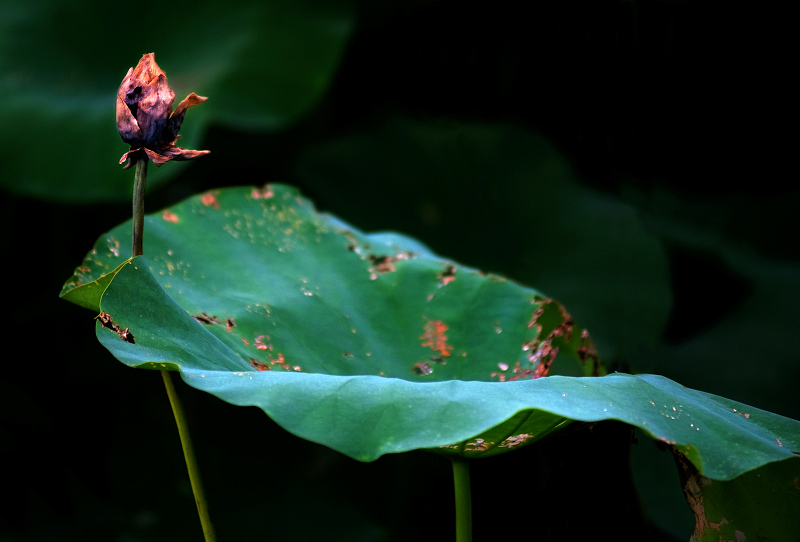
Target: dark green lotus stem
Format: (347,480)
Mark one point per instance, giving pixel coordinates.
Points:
(463,499)
(139,180)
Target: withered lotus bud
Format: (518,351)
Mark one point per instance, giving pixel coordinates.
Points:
(145,119)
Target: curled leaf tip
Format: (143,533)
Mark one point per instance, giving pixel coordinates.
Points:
(145,119)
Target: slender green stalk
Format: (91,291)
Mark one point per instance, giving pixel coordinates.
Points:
(463,499)
(139,181)
(191,461)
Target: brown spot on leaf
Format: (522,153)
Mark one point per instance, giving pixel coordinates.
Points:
(105,319)
(522,374)
(423,368)
(126,335)
(434,337)
(352,242)
(541,354)
(544,366)
(204,318)
(108,322)
(541,350)
(533,323)
(281,362)
(693,483)
(502,374)
(264,192)
(169,216)
(261,345)
(229,324)
(515,440)
(447,276)
(479,445)
(565,328)
(259,365)
(209,199)
(382,264)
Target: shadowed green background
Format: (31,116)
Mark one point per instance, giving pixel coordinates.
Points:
(618,156)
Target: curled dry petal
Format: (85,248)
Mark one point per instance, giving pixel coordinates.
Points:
(145,119)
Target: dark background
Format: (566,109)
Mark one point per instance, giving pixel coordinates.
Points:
(672,113)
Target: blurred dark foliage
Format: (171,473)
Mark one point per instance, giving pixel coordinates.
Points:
(652,101)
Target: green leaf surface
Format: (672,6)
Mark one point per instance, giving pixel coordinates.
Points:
(263,65)
(759,505)
(277,282)
(370,344)
(87,293)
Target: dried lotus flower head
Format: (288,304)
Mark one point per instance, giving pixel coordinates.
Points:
(145,119)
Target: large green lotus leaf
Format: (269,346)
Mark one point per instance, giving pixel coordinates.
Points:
(262,63)
(365,416)
(260,268)
(370,344)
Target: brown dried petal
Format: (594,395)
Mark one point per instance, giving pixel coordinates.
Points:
(133,155)
(154,111)
(127,126)
(180,155)
(147,71)
(158,159)
(176,119)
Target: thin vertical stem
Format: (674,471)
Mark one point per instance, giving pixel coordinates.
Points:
(191,461)
(463,499)
(139,183)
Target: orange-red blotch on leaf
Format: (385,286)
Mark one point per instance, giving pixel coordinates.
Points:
(169,217)
(435,338)
(210,200)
